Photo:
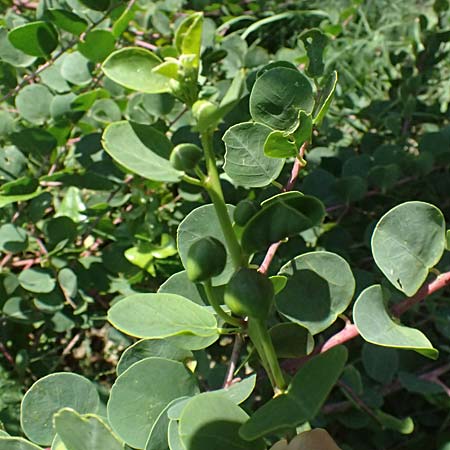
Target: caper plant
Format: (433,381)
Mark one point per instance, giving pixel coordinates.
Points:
(229,288)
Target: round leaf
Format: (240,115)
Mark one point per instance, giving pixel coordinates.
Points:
(407,242)
(16,443)
(277,97)
(210,420)
(132,68)
(97,45)
(245,161)
(12,238)
(35,38)
(33,103)
(37,280)
(140,149)
(375,325)
(50,394)
(141,393)
(320,287)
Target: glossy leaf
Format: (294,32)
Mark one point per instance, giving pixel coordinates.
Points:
(50,394)
(67,21)
(289,214)
(200,222)
(142,392)
(141,149)
(212,421)
(278,96)
(132,67)
(79,432)
(35,38)
(320,287)
(245,159)
(97,45)
(306,394)
(377,327)
(407,242)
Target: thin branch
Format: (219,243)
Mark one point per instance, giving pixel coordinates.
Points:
(229,377)
(272,250)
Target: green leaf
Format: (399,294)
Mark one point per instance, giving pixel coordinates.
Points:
(326,94)
(291,340)
(280,145)
(20,310)
(35,38)
(141,393)
(132,67)
(200,222)
(245,161)
(306,394)
(33,103)
(278,96)
(173,436)
(97,45)
(147,348)
(179,283)
(96,5)
(37,280)
(158,437)
(315,43)
(50,394)
(8,199)
(375,326)
(320,287)
(11,54)
(240,391)
(380,363)
(12,238)
(157,316)
(67,21)
(403,426)
(407,242)
(212,421)
(16,443)
(188,36)
(288,213)
(76,69)
(141,149)
(79,432)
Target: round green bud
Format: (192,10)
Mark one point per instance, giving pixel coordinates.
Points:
(206,258)
(244,211)
(249,293)
(206,114)
(186,156)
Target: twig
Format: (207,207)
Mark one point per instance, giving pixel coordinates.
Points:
(272,250)
(6,354)
(238,341)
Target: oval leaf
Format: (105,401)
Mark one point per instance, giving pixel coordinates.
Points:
(132,68)
(35,38)
(245,161)
(141,149)
(320,287)
(375,325)
(50,394)
(142,392)
(407,242)
(278,96)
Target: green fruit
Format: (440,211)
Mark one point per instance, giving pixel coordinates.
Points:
(186,156)
(243,212)
(249,293)
(206,258)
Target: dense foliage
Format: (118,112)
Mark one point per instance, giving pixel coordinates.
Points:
(213,215)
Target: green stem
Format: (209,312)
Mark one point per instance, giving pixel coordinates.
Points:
(214,189)
(191,180)
(261,339)
(214,302)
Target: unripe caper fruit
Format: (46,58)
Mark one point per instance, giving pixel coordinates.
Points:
(249,293)
(206,258)
(185,156)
